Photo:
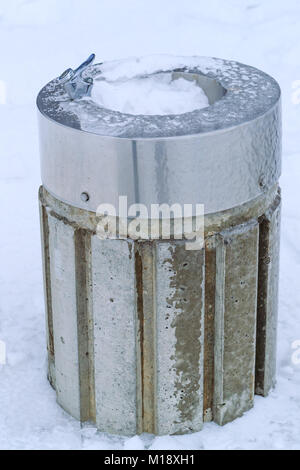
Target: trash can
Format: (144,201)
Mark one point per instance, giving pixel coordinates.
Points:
(145,335)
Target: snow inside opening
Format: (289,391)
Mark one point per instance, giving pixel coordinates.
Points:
(154,95)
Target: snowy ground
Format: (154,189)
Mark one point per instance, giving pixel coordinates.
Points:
(38,40)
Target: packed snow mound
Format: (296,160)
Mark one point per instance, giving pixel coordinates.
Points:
(157,94)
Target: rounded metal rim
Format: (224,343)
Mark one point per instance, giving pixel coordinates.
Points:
(250,93)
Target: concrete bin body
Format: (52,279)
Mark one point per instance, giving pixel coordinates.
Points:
(144,335)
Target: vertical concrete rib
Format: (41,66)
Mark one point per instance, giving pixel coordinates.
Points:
(146,321)
(114,307)
(84,324)
(180,331)
(267,299)
(47,292)
(64,308)
(235,321)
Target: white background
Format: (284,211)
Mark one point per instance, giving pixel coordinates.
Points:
(39,39)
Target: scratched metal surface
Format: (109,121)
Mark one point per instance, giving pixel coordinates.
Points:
(249,94)
(220,156)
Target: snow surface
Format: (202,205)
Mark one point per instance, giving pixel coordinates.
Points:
(38,40)
(158,94)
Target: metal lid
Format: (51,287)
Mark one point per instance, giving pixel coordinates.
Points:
(221,156)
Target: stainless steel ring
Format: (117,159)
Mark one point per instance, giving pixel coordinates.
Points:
(220,156)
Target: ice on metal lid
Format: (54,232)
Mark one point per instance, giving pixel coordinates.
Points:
(236,93)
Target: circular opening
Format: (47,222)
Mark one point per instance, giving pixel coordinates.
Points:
(157,94)
(85,197)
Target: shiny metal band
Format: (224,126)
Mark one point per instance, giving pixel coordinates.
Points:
(231,155)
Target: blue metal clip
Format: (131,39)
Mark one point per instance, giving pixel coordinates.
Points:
(75,85)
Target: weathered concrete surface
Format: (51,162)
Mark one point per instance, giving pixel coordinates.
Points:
(63,292)
(179,342)
(209,332)
(114,307)
(145,272)
(85,326)
(47,292)
(267,300)
(235,321)
(144,336)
